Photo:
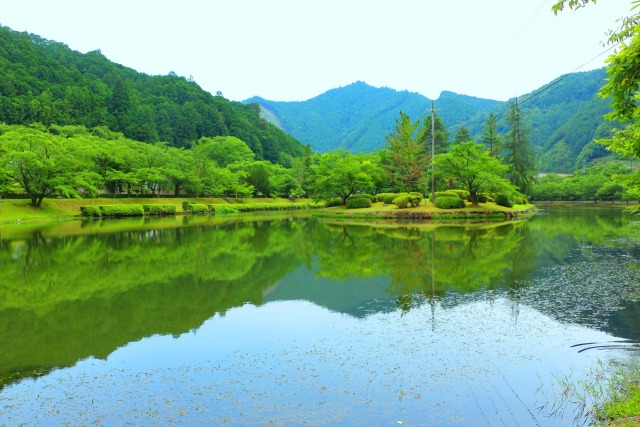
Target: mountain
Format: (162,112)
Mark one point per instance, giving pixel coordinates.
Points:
(45,81)
(564,116)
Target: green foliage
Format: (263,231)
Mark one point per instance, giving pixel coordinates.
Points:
(158,209)
(222,209)
(121,210)
(198,208)
(447,193)
(388,198)
(504,200)
(517,149)
(449,202)
(358,203)
(46,82)
(185,205)
(474,170)
(90,211)
(333,202)
(407,159)
(363,196)
(402,202)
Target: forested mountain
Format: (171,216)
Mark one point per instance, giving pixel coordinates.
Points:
(357,117)
(564,117)
(45,81)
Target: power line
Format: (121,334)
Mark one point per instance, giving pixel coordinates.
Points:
(561,78)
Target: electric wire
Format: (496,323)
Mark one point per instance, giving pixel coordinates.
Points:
(561,78)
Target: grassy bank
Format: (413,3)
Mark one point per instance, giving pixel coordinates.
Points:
(21,211)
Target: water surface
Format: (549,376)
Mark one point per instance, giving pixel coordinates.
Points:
(287,320)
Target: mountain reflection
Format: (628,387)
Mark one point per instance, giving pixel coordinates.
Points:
(81,291)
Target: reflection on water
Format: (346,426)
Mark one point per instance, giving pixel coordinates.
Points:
(291,320)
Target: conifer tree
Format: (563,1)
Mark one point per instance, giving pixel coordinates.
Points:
(517,150)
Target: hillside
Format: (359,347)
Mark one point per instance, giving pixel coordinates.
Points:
(357,117)
(45,81)
(565,117)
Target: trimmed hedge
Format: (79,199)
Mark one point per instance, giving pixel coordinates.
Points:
(389,197)
(198,208)
(121,210)
(380,197)
(90,211)
(363,196)
(358,203)
(449,202)
(222,209)
(504,200)
(185,205)
(153,209)
(336,201)
(254,207)
(401,201)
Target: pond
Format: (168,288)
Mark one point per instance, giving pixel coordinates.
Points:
(285,319)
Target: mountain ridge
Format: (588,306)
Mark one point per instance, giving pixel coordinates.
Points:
(565,116)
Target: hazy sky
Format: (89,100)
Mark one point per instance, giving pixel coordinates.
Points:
(293,50)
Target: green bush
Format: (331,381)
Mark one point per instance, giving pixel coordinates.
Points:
(223,209)
(121,210)
(504,200)
(358,203)
(415,199)
(198,208)
(482,198)
(90,211)
(463,194)
(363,196)
(448,193)
(336,201)
(401,201)
(449,202)
(159,209)
(185,205)
(380,197)
(388,199)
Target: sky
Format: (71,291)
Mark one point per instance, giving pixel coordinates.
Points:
(294,50)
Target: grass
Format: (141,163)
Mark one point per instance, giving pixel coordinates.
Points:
(21,211)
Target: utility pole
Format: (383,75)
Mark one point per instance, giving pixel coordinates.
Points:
(433,150)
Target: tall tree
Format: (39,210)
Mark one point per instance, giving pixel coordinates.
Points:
(517,149)
(474,169)
(342,174)
(441,134)
(462,134)
(490,137)
(407,157)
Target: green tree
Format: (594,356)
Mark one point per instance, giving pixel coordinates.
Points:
(407,157)
(462,134)
(441,134)
(342,174)
(490,136)
(474,169)
(44,164)
(517,149)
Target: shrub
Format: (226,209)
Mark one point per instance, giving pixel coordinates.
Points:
(223,209)
(358,203)
(388,199)
(159,209)
(449,202)
(185,205)
(504,200)
(198,208)
(463,194)
(448,193)
(415,199)
(401,201)
(336,201)
(380,197)
(121,210)
(90,211)
(363,196)
(482,198)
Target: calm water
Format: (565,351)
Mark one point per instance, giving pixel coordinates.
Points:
(289,320)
